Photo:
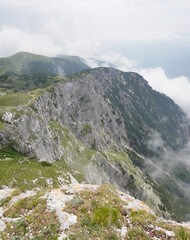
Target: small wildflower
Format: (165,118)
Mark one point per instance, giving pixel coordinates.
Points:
(151,234)
(43,220)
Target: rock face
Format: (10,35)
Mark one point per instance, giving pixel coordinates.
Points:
(107,105)
(90,119)
(101,107)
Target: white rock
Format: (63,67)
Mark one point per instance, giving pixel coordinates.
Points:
(6,192)
(56,200)
(168,233)
(49,182)
(133,203)
(2,225)
(151,226)
(21,196)
(67,219)
(10,219)
(1,211)
(123,232)
(35,180)
(8,117)
(81,148)
(72,179)
(62,236)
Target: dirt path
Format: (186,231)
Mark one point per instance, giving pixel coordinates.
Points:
(33,97)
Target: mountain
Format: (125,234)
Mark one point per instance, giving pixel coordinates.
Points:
(27,63)
(26,71)
(97,126)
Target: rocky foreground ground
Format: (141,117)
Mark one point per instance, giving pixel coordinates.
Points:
(81,211)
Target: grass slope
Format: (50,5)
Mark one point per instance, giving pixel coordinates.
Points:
(16,170)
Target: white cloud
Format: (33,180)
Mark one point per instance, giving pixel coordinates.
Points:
(111,60)
(176,88)
(155,142)
(82,47)
(65,21)
(122,63)
(14,40)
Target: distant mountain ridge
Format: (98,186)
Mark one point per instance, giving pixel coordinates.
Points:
(28,63)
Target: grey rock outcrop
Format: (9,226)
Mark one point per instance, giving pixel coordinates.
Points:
(103,110)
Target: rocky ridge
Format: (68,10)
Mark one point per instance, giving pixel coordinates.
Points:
(134,218)
(89,121)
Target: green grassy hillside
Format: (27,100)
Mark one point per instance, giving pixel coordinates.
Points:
(27,63)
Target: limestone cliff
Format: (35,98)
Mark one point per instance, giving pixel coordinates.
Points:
(90,120)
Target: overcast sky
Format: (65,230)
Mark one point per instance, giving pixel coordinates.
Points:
(82,26)
(151,37)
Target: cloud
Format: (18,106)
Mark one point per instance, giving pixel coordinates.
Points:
(82,47)
(122,63)
(155,142)
(176,88)
(65,21)
(14,40)
(112,60)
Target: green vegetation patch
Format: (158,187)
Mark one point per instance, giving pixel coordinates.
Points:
(14,100)
(137,233)
(180,232)
(142,218)
(180,171)
(117,156)
(1,125)
(24,205)
(9,152)
(86,130)
(98,213)
(143,109)
(4,201)
(40,222)
(136,160)
(178,207)
(183,234)
(29,173)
